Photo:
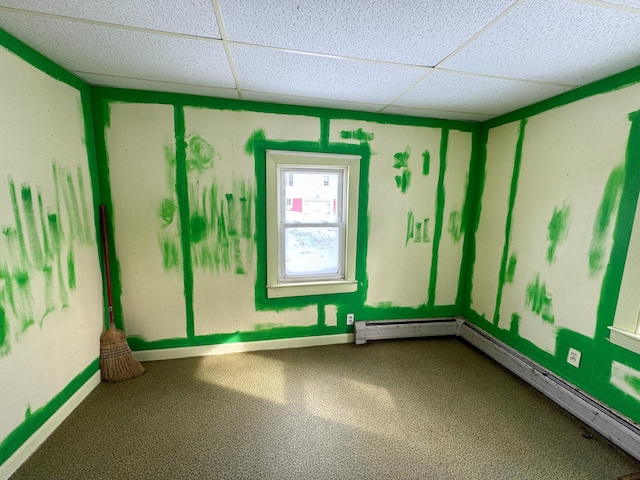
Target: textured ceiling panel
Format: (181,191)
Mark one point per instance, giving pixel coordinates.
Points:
(557,41)
(306,101)
(285,73)
(121,82)
(113,51)
(466,93)
(481,50)
(415,32)
(192,17)
(425,112)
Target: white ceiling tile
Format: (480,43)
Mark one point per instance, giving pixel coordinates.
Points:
(443,114)
(556,41)
(286,73)
(192,17)
(135,84)
(482,95)
(114,51)
(312,102)
(416,32)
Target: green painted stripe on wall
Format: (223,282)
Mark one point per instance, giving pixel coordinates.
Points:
(142,96)
(472,208)
(622,231)
(507,227)
(102,121)
(182,192)
(437,232)
(609,84)
(35,420)
(41,62)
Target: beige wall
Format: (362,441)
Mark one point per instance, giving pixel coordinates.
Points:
(52,321)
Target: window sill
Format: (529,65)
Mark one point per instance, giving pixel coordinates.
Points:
(622,338)
(311,288)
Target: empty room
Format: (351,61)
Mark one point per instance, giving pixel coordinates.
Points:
(344,239)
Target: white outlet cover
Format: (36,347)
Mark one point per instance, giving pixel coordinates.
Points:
(573,357)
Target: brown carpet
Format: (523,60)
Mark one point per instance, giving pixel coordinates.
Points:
(423,409)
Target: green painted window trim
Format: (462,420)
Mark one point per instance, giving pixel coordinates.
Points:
(278,158)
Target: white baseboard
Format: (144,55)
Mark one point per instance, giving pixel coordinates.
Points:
(183,352)
(12,464)
(618,429)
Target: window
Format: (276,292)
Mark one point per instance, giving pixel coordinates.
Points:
(312,211)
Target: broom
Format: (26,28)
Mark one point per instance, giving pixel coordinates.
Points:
(117,362)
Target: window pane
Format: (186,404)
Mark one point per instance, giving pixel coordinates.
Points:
(313,197)
(312,251)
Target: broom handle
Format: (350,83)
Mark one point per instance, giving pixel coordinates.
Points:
(107,271)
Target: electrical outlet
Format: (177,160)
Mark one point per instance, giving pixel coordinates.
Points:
(574,357)
(350,318)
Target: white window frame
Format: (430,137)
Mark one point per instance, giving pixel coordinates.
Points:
(625,331)
(278,285)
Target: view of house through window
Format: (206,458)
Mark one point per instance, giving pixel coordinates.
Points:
(312,205)
(312,223)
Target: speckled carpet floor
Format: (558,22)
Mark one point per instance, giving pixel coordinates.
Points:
(423,409)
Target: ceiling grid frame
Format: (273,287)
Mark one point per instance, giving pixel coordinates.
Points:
(330,53)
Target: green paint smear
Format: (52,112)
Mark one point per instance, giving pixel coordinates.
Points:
(417,238)
(606,211)
(167,211)
(558,230)
(268,326)
(198,228)
(426,162)
(74,210)
(48,251)
(633,382)
(358,134)
(221,224)
(71,270)
(410,228)
(404,181)
(199,155)
(32,230)
(538,300)
(425,231)
(456,226)
(224,237)
(401,159)
(515,324)
(83,208)
(511,269)
(170,249)
(4,330)
(37,264)
(18,220)
(256,137)
(56,239)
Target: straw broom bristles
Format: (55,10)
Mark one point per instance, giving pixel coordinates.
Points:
(117,362)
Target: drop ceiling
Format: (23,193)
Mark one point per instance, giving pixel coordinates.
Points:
(456,59)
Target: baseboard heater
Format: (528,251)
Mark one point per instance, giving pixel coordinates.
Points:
(618,429)
(388,329)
